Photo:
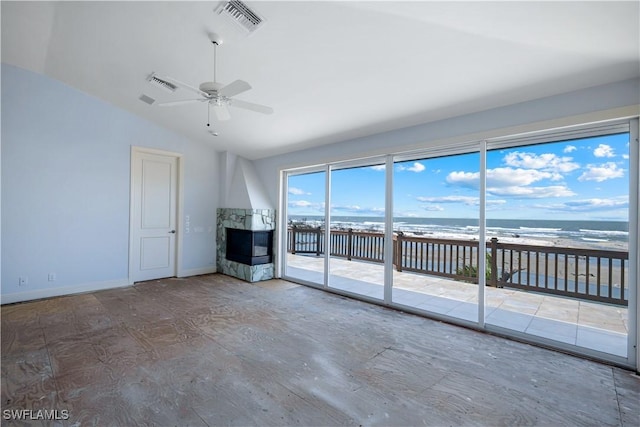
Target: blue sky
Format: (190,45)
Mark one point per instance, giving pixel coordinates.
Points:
(586,179)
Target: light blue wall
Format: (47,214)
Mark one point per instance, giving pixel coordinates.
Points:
(65,188)
(599,98)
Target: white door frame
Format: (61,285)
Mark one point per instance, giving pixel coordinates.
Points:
(179,207)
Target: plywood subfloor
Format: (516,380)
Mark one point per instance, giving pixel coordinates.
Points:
(212,350)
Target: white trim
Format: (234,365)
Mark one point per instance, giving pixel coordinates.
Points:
(280,267)
(327,225)
(633,309)
(148,150)
(198,271)
(179,206)
(67,290)
(359,163)
(482,238)
(180,216)
(388,231)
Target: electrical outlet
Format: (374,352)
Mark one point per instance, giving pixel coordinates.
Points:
(23,280)
(52,277)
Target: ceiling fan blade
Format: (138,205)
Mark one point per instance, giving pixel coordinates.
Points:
(184,101)
(251,106)
(221,112)
(234,88)
(185,86)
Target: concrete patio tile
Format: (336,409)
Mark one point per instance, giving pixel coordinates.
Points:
(602,316)
(564,310)
(553,329)
(466,311)
(411,299)
(601,340)
(439,305)
(509,319)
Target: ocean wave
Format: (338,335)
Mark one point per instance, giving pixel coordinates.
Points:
(548,236)
(605,232)
(535,229)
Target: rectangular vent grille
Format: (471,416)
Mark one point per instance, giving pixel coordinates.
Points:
(162,84)
(147,99)
(241,14)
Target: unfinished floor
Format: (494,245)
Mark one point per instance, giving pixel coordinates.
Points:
(212,350)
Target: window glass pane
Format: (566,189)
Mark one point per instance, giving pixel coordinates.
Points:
(558,214)
(305,227)
(357,230)
(436,211)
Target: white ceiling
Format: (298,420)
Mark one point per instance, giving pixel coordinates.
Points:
(331,70)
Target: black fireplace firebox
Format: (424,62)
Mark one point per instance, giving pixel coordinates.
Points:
(249,247)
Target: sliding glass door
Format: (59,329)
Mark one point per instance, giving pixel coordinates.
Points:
(560,241)
(436,251)
(357,226)
(542,220)
(305,245)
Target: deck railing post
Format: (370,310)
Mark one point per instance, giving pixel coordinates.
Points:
(399,252)
(293,240)
(493,280)
(349,243)
(318,236)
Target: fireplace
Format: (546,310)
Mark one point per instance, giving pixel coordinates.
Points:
(247,235)
(249,247)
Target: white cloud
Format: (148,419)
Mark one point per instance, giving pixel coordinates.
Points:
(587,205)
(297,191)
(467,200)
(601,172)
(625,156)
(416,167)
(499,177)
(510,182)
(569,149)
(526,192)
(300,204)
(379,167)
(548,162)
(604,150)
(464,179)
(433,208)
(355,209)
(306,205)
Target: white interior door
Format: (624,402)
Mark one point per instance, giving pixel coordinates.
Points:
(154,201)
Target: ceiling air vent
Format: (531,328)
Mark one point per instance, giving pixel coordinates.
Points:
(162,84)
(146,99)
(241,14)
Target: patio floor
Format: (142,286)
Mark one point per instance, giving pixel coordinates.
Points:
(586,324)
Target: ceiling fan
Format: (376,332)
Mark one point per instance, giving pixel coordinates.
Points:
(217,95)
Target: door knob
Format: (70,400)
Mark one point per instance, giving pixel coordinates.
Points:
(173,232)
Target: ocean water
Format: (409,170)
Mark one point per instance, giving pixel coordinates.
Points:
(580,232)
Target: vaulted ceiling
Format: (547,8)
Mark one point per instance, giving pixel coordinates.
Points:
(331,70)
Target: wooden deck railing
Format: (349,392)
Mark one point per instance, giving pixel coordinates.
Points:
(597,275)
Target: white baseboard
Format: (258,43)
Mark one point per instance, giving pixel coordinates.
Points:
(198,271)
(56,292)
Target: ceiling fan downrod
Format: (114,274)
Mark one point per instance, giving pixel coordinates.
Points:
(217,41)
